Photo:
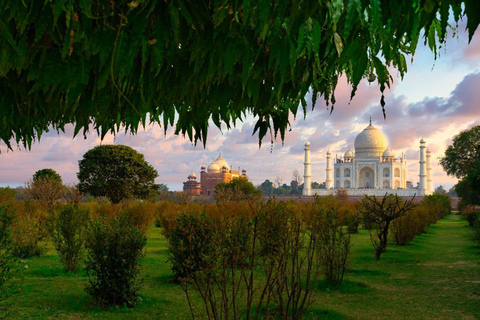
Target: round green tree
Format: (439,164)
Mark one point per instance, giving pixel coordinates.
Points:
(116,172)
(462,160)
(49,174)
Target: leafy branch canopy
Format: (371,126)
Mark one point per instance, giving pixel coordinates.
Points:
(107,64)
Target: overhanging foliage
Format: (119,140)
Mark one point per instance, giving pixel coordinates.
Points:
(107,64)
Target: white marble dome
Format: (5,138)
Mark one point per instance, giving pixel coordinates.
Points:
(370,143)
(213,167)
(349,154)
(388,154)
(221,162)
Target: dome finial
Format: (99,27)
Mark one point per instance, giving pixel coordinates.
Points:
(370,120)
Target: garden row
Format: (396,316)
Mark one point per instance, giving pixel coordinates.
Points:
(232,259)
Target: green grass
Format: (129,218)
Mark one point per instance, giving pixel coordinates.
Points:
(437,276)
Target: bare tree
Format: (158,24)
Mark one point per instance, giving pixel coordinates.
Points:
(72,194)
(278,181)
(297,177)
(379,214)
(44,190)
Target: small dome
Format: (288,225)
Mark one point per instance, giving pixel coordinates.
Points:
(370,143)
(221,162)
(192,176)
(348,154)
(213,167)
(422,141)
(388,153)
(307,143)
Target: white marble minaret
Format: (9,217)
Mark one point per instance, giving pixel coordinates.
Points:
(429,173)
(307,175)
(423,169)
(329,171)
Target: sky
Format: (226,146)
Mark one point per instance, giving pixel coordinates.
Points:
(436,100)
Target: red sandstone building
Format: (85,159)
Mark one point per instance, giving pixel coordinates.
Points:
(218,171)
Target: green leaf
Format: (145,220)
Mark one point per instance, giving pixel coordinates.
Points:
(317,32)
(472,11)
(338,43)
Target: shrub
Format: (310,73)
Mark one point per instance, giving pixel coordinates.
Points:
(191,245)
(68,234)
(404,229)
(334,247)
(438,206)
(29,229)
(8,263)
(140,214)
(472,217)
(114,252)
(476,231)
(7,195)
(223,250)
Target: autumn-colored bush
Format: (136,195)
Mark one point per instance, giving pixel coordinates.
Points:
(29,228)
(221,250)
(334,245)
(7,195)
(140,214)
(406,228)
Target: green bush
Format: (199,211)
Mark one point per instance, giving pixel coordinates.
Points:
(114,252)
(8,263)
(439,206)
(334,247)
(476,231)
(472,217)
(191,245)
(68,234)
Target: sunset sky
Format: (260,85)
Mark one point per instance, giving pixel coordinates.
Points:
(436,100)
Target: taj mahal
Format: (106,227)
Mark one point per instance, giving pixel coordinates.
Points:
(372,169)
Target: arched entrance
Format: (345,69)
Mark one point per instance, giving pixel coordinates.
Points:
(367,178)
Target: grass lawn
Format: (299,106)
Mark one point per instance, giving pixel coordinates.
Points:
(437,276)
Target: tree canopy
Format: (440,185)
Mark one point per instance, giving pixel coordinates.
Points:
(235,190)
(112,64)
(463,154)
(462,160)
(49,174)
(116,172)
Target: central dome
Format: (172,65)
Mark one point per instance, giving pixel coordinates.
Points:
(370,143)
(221,162)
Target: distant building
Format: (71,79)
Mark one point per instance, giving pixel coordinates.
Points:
(372,169)
(191,185)
(218,171)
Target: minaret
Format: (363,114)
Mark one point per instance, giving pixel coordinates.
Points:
(429,174)
(329,180)
(307,182)
(423,169)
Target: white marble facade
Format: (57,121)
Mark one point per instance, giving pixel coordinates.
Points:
(372,169)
